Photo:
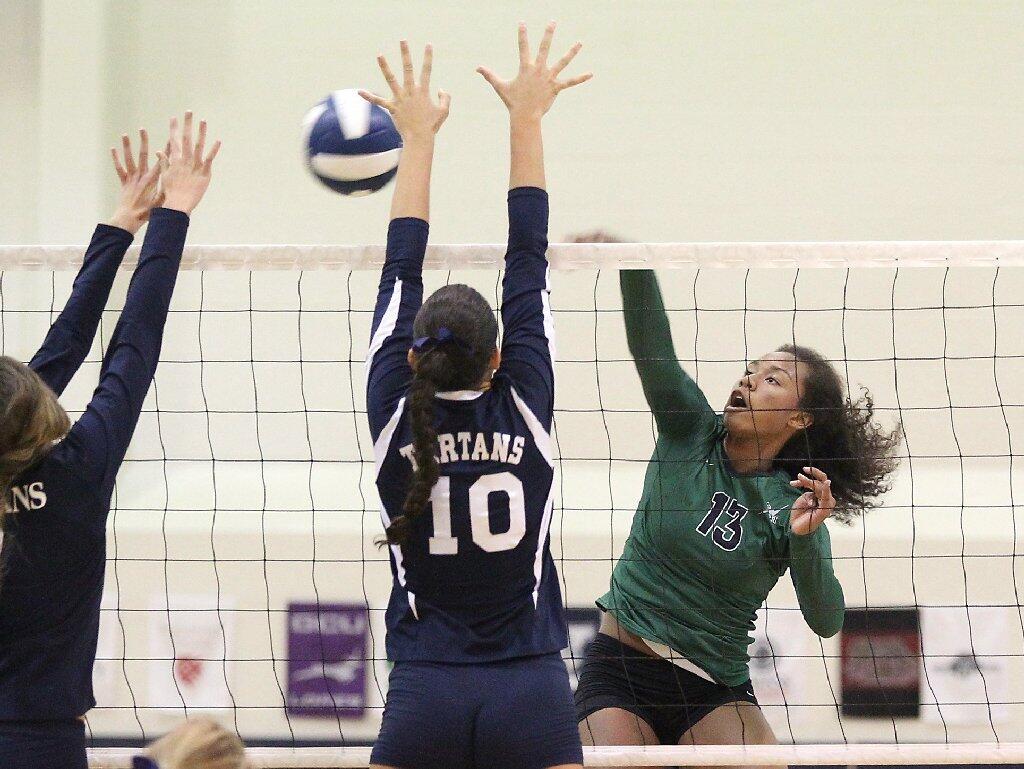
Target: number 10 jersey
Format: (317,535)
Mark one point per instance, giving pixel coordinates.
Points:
(475,581)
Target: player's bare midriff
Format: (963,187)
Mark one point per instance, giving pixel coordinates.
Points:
(611,627)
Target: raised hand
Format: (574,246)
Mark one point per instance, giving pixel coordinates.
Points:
(532,92)
(140,188)
(813,506)
(414,111)
(186,171)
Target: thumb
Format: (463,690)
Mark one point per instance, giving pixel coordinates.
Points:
(489,76)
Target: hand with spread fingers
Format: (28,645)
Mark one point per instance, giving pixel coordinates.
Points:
(415,113)
(186,171)
(813,506)
(533,90)
(140,184)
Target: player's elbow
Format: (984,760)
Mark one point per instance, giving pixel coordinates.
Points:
(829,626)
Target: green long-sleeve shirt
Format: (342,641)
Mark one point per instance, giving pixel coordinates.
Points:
(707,544)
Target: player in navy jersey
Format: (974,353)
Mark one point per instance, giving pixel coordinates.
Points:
(462,441)
(57,478)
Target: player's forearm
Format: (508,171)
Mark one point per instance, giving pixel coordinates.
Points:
(648,333)
(527,152)
(69,339)
(412,182)
(819,592)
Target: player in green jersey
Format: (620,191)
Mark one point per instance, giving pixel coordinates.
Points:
(730,502)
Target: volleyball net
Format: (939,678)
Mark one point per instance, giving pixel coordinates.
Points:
(242,577)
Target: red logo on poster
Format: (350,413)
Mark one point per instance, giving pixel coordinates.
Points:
(188,670)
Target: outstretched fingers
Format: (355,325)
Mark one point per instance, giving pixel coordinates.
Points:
(375,99)
(574,81)
(524,46)
(119,168)
(174,142)
(427,66)
(407,76)
(143,150)
(490,77)
(545,45)
(389,76)
(129,159)
(566,60)
(186,136)
(208,163)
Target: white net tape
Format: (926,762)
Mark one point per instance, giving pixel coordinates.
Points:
(661,755)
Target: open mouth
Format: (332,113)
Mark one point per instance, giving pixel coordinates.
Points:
(737,401)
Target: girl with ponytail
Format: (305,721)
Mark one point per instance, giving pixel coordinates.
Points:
(461,434)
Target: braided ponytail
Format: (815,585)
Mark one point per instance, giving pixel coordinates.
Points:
(457,335)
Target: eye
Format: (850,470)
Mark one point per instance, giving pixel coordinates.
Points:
(771,379)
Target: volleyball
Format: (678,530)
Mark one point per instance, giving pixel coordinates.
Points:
(351,146)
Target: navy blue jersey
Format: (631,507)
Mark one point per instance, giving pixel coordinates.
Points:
(476,581)
(54,547)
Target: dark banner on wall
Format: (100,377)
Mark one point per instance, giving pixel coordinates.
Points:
(881,663)
(327,659)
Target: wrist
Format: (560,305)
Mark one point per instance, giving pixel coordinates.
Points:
(418,141)
(125,220)
(528,119)
(178,204)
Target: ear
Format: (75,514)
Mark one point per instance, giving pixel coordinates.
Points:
(800,420)
(495,362)
(411,357)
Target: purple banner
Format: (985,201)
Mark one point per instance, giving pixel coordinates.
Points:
(327,660)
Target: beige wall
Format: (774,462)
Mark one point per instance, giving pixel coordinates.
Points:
(706,120)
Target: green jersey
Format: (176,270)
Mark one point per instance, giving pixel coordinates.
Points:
(707,544)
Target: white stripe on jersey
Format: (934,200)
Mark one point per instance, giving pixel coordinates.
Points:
(543,441)
(386,327)
(380,448)
(380,452)
(542,538)
(549,320)
(540,435)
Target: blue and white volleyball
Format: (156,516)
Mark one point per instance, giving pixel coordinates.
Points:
(352,146)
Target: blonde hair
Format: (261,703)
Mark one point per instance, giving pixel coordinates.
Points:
(199,743)
(31,419)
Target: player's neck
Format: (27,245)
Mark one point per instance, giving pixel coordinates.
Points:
(750,453)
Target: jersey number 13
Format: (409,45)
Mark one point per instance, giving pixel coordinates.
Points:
(726,535)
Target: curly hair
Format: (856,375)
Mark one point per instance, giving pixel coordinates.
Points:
(844,440)
(457,364)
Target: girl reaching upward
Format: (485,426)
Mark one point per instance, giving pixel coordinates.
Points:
(461,433)
(56,479)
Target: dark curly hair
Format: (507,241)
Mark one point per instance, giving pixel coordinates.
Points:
(844,440)
(459,364)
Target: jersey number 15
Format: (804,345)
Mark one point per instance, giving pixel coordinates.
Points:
(443,543)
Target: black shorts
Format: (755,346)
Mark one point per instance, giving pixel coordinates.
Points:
(42,744)
(669,698)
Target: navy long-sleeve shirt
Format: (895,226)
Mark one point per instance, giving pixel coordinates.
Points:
(476,581)
(54,548)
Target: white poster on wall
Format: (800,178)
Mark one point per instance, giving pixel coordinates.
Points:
(190,666)
(776,657)
(108,671)
(966,678)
